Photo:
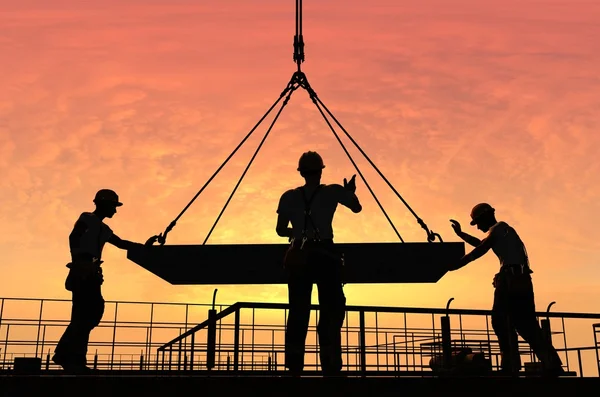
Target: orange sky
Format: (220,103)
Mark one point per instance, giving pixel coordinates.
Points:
(456,102)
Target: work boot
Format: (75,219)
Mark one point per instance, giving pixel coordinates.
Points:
(294,372)
(72,366)
(553,372)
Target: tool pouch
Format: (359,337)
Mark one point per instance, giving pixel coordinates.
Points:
(84,273)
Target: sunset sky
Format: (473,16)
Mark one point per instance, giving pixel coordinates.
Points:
(457,102)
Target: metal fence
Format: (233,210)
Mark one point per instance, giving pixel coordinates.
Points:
(249,337)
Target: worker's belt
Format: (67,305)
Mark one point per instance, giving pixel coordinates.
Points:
(84,273)
(516,269)
(310,242)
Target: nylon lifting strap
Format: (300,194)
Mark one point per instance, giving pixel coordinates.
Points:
(287,92)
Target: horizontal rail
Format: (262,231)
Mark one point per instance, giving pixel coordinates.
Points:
(416,310)
(203,324)
(111,301)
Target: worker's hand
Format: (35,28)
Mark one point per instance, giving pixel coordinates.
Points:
(351,184)
(495,282)
(151,241)
(456,226)
(459,264)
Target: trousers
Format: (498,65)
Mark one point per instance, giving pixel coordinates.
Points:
(86,313)
(514,312)
(327,274)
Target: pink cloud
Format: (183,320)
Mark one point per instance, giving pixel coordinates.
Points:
(455,102)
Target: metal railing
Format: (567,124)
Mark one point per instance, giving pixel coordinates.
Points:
(373,348)
(249,337)
(126,338)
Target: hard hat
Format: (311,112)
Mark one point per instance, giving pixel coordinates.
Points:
(107,196)
(310,161)
(479,210)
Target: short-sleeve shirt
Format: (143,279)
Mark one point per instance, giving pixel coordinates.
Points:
(93,240)
(323,206)
(507,245)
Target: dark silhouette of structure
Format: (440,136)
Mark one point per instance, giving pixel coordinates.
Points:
(514,304)
(86,242)
(229,264)
(312,258)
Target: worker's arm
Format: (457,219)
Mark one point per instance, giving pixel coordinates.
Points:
(122,244)
(77,233)
(283,217)
(347,197)
(477,253)
(467,238)
(282,228)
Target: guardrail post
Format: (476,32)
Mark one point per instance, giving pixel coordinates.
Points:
(193,342)
(211,335)
(446,338)
(179,354)
(48,360)
(37,342)
(363,351)
(236,341)
(545,325)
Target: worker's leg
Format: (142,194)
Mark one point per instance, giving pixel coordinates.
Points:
(504,329)
(299,293)
(523,313)
(86,313)
(332,303)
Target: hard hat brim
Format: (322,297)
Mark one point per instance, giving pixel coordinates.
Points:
(308,169)
(115,203)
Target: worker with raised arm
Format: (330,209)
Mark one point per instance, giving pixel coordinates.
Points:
(312,258)
(514,304)
(86,242)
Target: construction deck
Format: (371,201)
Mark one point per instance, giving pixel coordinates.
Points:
(184,384)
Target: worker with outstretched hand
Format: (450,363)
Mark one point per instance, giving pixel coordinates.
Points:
(312,258)
(514,304)
(86,242)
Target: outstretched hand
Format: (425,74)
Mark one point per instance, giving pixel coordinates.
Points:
(456,226)
(151,241)
(351,184)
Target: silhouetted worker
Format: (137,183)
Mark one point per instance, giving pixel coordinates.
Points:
(312,258)
(86,243)
(514,303)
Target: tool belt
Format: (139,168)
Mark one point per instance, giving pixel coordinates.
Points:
(84,274)
(511,278)
(516,270)
(301,252)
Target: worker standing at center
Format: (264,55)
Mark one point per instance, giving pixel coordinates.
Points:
(310,209)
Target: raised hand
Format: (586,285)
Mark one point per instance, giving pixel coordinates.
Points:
(151,241)
(351,184)
(456,226)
